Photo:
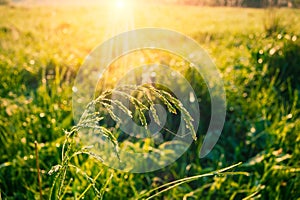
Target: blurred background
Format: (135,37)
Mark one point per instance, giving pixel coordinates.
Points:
(254,44)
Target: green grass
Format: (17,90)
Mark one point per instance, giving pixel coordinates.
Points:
(41,49)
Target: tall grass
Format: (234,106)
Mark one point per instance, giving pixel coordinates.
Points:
(39,58)
(91,119)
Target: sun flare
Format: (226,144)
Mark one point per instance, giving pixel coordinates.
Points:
(120,4)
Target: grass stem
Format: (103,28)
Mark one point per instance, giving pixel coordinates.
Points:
(38,169)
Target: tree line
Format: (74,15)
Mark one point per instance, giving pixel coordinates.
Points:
(240,3)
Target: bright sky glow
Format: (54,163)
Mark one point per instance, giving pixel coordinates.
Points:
(120,3)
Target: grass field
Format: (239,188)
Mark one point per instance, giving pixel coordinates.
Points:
(257,52)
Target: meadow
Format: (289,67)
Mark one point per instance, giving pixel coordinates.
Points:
(256,50)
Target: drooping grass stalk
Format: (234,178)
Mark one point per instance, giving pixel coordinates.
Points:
(90,119)
(173,184)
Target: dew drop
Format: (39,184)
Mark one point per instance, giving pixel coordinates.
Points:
(74,89)
(32,62)
(192,97)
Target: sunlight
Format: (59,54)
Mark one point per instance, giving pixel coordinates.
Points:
(121,17)
(120,4)
(120,20)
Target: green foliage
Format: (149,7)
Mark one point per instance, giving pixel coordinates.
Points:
(39,57)
(279,61)
(90,120)
(272,22)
